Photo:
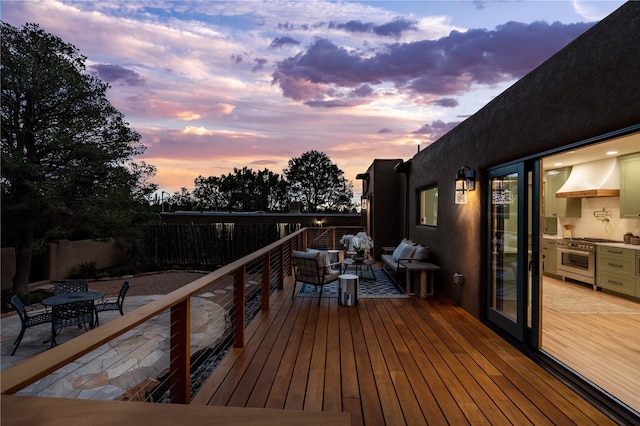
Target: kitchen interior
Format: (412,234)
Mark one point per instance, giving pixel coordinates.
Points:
(591,281)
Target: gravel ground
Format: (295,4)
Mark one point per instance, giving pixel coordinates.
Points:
(145,284)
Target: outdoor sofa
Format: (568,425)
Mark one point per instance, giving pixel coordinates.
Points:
(407,251)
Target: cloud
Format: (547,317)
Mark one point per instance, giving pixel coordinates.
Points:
(335,103)
(200,131)
(446,102)
(588,11)
(260,63)
(283,41)
(360,90)
(394,28)
(117,74)
(444,67)
(432,132)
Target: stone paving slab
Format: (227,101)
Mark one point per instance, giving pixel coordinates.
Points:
(110,370)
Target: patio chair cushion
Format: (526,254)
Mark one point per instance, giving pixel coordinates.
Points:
(325,259)
(404,250)
(305,254)
(311,272)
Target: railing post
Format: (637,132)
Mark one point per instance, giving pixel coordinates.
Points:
(266,275)
(281,265)
(239,296)
(305,240)
(180,354)
(334,242)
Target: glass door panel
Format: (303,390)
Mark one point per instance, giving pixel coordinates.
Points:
(513,243)
(504,245)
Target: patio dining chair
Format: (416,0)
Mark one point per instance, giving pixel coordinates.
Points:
(311,268)
(76,313)
(71,287)
(28,319)
(112,303)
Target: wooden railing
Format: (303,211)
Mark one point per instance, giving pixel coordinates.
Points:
(273,262)
(275,259)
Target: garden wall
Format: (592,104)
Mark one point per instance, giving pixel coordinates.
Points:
(63,259)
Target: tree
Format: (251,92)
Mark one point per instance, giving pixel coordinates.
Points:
(67,168)
(182,200)
(242,190)
(318,184)
(208,193)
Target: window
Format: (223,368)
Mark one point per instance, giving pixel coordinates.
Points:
(429,206)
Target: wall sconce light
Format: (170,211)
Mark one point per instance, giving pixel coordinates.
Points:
(364,203)
(465,182)
(319,223)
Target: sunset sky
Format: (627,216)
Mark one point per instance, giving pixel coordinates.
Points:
(213,85)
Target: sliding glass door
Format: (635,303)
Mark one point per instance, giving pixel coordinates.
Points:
(513,247)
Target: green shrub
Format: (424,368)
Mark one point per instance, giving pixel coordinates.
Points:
(88,270)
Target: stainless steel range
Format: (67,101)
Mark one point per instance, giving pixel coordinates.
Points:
(577,258)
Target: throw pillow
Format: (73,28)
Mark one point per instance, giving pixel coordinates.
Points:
(325,259)
(404,250)
(421,253)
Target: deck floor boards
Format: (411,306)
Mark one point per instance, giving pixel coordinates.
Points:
(390,361)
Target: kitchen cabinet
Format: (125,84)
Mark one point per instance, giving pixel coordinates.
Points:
(559,207)
(629,187)
(550,253)
(615,270)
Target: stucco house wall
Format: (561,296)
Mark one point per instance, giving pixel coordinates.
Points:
(385,191)
(586,90)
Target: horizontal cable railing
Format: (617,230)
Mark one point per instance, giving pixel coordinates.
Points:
(328,238)
(197,324)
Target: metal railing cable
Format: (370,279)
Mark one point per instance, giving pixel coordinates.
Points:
(207,308)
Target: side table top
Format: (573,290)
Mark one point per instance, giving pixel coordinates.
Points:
(420,266)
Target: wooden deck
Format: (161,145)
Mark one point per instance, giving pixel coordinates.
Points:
(389,361)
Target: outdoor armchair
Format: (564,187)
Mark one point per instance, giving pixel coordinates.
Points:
(311,268)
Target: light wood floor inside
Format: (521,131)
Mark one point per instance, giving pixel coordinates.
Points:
(389,361)
(596,334)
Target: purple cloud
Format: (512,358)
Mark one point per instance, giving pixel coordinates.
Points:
(353,26)
(394,28)
(446,102)
(283,41)
(260,63)
(335,103)
(118,74)
(363,91)
(443,67)
(436,129)
(385,130)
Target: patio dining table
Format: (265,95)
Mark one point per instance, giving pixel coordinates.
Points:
(75,308)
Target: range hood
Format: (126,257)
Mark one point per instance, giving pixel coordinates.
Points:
(593,179)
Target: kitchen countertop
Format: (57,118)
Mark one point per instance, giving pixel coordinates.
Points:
(617,245)
(620,245)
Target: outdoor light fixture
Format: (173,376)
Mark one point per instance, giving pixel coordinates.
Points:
(364,203)
(465,182)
